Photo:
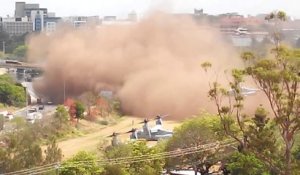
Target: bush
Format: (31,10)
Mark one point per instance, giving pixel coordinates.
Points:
(103,122)
(10,93)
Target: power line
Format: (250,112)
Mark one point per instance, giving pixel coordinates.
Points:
(127,160)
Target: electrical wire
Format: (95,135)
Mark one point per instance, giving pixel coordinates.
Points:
(127,160)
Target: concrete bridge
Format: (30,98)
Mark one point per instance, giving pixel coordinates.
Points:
(18,65)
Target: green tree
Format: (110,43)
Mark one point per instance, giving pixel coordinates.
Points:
(20,52)
(246,164)
(10,93)
(113,169)
(138,148)
(70,167)
(61,117)
(278,77)
(53,153)
(22,150)
(192,133)
(79,107)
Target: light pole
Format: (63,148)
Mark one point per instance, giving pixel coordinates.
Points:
(64,90)
(3,47)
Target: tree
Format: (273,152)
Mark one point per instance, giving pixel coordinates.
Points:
(70,167)
(22,150)
(192,133)
(10,93)
(53,153)
(20,52)
(246,164)
(79,107)
(278,77)
(76,109)
(115,170)
(61,117)
(89,99)
(139,148)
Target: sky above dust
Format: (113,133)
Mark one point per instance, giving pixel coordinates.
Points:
(121,8)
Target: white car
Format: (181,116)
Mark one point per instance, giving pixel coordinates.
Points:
(9,116)
(4,113)
(31,117)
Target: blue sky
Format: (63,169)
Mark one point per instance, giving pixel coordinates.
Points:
(122,7)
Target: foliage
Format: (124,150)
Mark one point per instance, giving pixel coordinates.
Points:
(76,109)
(246,164)
(20,51)
(138,148)
(61,117)
(22,149)
(10,93)
(53,153)
(79,107)
(278,77)
(114,169)
(69,167)
(90,99)
(11,42)
(194,132)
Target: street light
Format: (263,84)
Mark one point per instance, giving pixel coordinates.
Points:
(64,90)
(3,47)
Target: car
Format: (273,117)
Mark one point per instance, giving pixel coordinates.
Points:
(32,110)
(49,102)
(41,107)
(9,116)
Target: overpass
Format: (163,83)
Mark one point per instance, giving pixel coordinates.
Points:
(18,65)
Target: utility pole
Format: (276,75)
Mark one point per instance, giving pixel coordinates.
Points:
(64,90)
(3,47)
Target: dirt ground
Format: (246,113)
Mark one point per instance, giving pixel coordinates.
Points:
(89,142)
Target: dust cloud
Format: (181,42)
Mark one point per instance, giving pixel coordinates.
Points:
(153,66)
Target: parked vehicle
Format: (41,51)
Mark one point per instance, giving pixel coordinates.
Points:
(41,107)
(9,116)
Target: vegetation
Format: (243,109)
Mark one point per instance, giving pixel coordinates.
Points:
(278,77)
(22,149)
(139,148)
(11,94)
(14,46)
(194,132)
(70,167)
(79,108)
(20,52)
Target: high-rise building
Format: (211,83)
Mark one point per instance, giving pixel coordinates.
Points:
(20,9)
(37,18)
(79,21)
(23,9)
(17,28)
(50,24)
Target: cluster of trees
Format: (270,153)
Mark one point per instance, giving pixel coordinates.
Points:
(153,167)
(15,46)
(76,109)
(266,142)
(11,93)
(21,149)
(99,106)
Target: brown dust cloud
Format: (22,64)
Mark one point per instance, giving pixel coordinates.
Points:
(152,66)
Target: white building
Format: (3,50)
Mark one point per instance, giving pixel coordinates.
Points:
(37,18)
